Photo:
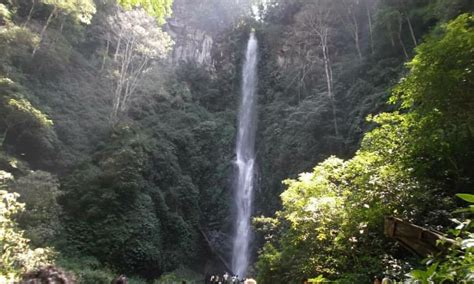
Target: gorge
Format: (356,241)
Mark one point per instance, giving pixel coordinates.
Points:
(129,142)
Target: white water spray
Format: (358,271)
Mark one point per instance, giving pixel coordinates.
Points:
(245,152)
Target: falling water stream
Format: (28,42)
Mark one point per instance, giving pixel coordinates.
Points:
(245,152)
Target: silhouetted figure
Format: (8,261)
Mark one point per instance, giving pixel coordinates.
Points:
(48,274)
(235,279)
(226,277)
(120,280)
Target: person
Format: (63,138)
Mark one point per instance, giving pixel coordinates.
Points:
(225,277)
(377,280)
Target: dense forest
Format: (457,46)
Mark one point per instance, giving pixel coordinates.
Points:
(118,122)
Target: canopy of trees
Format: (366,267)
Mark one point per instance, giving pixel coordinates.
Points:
(418,155)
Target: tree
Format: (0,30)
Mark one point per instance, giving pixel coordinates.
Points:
(437,95)
(404,9)
(138,42)
(82,10)
(316,22)
(368,8)
(392,18)
(350,12)
(396,19)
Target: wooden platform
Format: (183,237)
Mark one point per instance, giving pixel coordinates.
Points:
(418,240)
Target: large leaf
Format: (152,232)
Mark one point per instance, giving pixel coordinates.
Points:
(466,197)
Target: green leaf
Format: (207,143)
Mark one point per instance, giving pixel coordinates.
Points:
(419,274)
(466,197)
(465,210)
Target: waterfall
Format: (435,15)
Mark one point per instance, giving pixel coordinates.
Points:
(245,152)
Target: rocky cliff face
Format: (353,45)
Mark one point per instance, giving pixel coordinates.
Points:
(191,44)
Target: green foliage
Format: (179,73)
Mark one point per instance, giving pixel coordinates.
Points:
(25,108)
(5,14)
(160,9)
(334,216)
(295,126)
(457,264)
(114,217)
(446,10)
(39,192)
(25,130)
(83,10)
(178,276)
(136,194)
(331,219)
(466,197)
(87,270)
(136,206)
(437,95)
(16,255)
(319,279)
(16,44)
(17,110)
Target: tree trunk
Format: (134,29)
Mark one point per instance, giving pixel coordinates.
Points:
(349,19)
(357,42)
(356,31)
(30,14)
(399,35)
(412,32)
(61,28)
(4,136)
(43,31)
(117,48)
(390,32)
(106,54)
(329,78)
(369,16)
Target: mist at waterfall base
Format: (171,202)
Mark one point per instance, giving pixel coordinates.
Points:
(245,161)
